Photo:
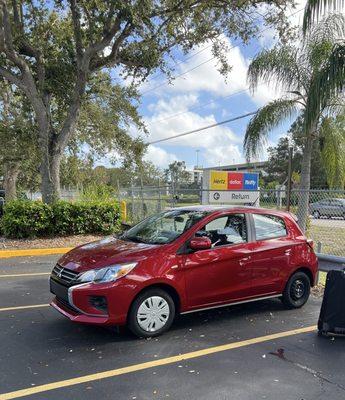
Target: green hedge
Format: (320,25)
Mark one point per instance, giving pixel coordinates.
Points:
(27,219)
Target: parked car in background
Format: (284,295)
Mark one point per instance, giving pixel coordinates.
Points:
(184,260)
(328,208)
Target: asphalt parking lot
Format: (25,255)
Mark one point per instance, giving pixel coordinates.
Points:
(219,354)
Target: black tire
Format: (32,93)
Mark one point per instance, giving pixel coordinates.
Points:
(297,291)
(316,214)
(133,322)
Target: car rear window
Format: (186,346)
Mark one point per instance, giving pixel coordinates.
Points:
(268,226)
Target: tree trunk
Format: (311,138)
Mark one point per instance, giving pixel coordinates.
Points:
(303,198)
(50,175)
(11,172)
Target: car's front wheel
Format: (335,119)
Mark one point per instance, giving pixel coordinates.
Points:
(152,313)
(297,290)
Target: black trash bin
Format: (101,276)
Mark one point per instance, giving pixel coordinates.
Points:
(332,315)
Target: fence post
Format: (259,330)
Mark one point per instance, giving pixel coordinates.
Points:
(142,197)
(288,194)
(159,196)
(132,197)
(123,210)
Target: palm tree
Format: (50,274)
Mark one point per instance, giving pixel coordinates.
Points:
(297,69)
(330,79)
(315,8)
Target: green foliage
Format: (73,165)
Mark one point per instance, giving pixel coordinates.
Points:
(23,219)
(27,219)
(297,70)
(97,192)
(278,157)
(85,217)
(315,8)
(332,140)
(177,173)
(267,118)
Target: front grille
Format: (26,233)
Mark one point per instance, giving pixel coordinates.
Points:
(64,275)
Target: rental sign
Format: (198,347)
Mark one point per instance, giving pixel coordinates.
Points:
(223,180)
(233,187)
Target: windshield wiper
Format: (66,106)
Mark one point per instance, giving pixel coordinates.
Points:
(133,239)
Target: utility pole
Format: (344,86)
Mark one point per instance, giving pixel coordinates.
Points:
(197,157)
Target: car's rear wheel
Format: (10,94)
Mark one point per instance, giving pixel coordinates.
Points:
(297,290)
(316,214)
(152,313)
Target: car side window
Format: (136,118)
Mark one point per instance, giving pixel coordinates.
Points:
(268,226)
(226,230)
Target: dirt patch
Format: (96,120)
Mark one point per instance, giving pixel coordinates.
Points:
(317,291)
(61,241)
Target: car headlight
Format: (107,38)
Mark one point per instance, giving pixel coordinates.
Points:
(107,274)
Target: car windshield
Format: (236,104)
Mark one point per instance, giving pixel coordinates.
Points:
(164,227)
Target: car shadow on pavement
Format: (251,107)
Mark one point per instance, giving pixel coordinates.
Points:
(225,318)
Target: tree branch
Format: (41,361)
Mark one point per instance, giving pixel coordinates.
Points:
(14,79)
(94,48)
(77,31)
(99,62)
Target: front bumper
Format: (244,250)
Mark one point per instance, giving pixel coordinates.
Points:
(75,303)
(75,316)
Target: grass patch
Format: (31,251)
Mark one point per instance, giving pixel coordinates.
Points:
(322,278)
(332,239)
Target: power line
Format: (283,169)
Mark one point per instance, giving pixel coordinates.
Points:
(156,121)
(210,59)
(178,76)
(204,128)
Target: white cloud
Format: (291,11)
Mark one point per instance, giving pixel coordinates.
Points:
(207,78)
(217,145)
(160,128)
(160,157)
(223,155)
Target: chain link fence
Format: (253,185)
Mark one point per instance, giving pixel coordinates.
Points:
(325,221)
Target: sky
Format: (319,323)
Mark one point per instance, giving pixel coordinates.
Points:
(202,97)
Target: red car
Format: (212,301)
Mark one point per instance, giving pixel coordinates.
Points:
(184,260)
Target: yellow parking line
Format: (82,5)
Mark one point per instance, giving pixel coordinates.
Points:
(19,275)
(150,364)
(33,252)
(23,307)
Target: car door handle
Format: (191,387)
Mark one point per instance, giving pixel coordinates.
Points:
(287,252)
(243,261)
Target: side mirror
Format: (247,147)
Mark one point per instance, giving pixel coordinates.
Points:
(200,243)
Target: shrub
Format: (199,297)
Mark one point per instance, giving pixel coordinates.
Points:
(86,217)
(24,219)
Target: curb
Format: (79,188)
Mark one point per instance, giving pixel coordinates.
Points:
(34,252)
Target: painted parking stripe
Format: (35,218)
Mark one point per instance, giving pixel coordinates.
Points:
(20,275)
(34,252)
(23,307)
(150,364)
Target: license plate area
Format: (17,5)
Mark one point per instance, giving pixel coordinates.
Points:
(59,290)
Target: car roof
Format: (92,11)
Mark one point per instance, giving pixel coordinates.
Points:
(233,208)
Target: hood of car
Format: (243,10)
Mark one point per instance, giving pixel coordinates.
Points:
(105,252)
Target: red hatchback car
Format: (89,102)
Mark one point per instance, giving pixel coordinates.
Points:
(184,260)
